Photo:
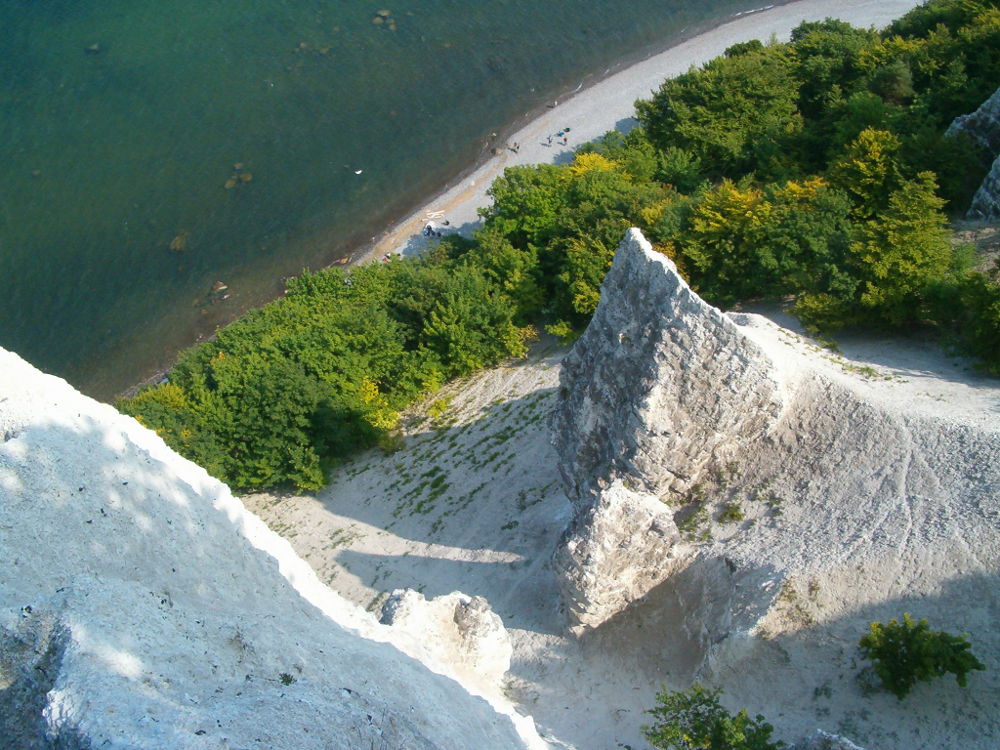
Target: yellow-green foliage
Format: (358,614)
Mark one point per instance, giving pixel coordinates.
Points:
(782,169)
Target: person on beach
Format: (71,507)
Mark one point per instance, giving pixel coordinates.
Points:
(548,141)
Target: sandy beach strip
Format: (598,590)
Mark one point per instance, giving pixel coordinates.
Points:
(609,104)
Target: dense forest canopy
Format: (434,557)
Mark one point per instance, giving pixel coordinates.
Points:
(815,170)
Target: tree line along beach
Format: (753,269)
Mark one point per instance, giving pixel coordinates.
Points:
(155,149)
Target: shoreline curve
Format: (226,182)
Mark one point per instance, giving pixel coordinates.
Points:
(590,111)
(608,104)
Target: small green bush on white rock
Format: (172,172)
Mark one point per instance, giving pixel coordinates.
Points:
(906,653)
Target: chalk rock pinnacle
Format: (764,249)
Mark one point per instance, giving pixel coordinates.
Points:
(659,390)
(782,467)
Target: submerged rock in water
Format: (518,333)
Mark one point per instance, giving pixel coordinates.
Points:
(179,243)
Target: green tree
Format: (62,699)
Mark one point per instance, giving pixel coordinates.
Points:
(804,243)
(901,252)
(720,243)
(893,82)
(909,652)
(527,203)
(632,152)
(584,210)
(922,20)
(680,168)
(980,305)
(324,371)
(869,171)
(740,241)
(827,55)
(953,51)
(471,325)
(268,430)
(967,305)
(695,720)
(512,270)
(729,112)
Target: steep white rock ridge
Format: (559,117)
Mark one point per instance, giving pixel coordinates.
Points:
(634,393)
(660,389)
(143,607)
(983,127)
(858,505)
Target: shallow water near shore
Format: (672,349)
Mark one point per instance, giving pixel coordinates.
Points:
(152,149)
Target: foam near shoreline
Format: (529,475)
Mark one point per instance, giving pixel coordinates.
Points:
(609,105)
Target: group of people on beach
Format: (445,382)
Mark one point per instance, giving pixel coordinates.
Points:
(431,229)
(560,137)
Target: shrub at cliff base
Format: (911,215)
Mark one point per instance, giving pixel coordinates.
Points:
(694,720)
(969,304)
(909,652)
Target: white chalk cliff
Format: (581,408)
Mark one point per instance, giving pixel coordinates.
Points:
(143,607)
(850,498)
(660,390)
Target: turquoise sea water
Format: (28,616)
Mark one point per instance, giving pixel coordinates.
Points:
(122,121)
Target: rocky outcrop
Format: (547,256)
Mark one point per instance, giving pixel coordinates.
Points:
(986,202)
(620,545)
(672,410)
(660,387)
(660,391)
(143,607)
(983,128)
(459,630)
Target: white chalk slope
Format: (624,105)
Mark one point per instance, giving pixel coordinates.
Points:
(143,607)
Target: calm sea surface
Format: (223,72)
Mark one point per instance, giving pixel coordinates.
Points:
(123,121)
